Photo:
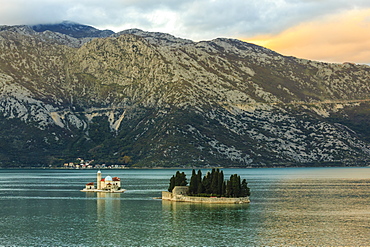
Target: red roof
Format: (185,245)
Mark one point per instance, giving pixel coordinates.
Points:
(113,179)
(91,183)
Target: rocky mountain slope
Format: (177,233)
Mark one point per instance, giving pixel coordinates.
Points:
(151,99)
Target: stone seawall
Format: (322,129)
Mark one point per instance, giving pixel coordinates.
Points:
(166,195)
(216,200)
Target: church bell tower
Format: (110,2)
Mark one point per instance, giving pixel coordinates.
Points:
(98,180)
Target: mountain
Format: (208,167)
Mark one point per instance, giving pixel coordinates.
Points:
(154,100)
(73,29)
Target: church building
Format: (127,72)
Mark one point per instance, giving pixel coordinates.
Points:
(107,184)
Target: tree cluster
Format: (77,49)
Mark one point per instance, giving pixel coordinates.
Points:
(212,184)
(177,180)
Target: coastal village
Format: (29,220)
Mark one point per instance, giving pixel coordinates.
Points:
(89,164)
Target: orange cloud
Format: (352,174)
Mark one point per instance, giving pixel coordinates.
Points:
(339,38)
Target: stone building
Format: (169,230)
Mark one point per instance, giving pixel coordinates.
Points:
(107,184)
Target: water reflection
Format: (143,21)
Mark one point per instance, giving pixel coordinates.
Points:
(106,205)
(315,212)
(202,213)
(210,223)
(185,206)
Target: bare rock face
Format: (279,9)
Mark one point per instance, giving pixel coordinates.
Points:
(151,99)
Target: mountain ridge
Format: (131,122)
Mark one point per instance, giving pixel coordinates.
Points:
(151,99)
(73,29)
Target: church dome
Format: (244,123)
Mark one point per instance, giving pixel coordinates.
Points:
(108,178)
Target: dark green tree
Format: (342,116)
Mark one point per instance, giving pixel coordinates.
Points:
(193,187)
(220,184)
(223,189)
(206,182)
(172,183)
(228,190)
(180,179)
(177,180)
(245,191)
(235,185)
(214,182)
(200,189)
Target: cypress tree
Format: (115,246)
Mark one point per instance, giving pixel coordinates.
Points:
(237,186)
(181,179)
(177,180)
(228,191)
(206,182)
(220,183)
(172,184)
(193,187)
(199,178)
(200,188)
(214,182)
(223,189)
(245,191)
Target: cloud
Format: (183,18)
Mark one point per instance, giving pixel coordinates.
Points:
(192,19)
(206,19)
(343,37)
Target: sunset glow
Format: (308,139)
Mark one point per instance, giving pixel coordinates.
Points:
(343,37)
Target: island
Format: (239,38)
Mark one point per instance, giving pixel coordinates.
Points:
(210,189)
(107,184)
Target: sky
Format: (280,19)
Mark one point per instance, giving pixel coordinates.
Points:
(324,30)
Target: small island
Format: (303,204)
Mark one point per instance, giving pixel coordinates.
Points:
(210,189)
(107,184)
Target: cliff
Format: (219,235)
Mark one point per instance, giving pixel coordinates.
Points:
(151,99)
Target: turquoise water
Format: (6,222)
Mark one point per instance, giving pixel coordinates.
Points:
(290,206)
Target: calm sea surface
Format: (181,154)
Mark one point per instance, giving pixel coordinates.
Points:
(290,206)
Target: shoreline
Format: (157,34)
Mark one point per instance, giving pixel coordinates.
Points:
(168,196)
(103,191)
(174,168)
(210,200)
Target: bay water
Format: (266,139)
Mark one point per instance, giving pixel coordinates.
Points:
(289,206)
